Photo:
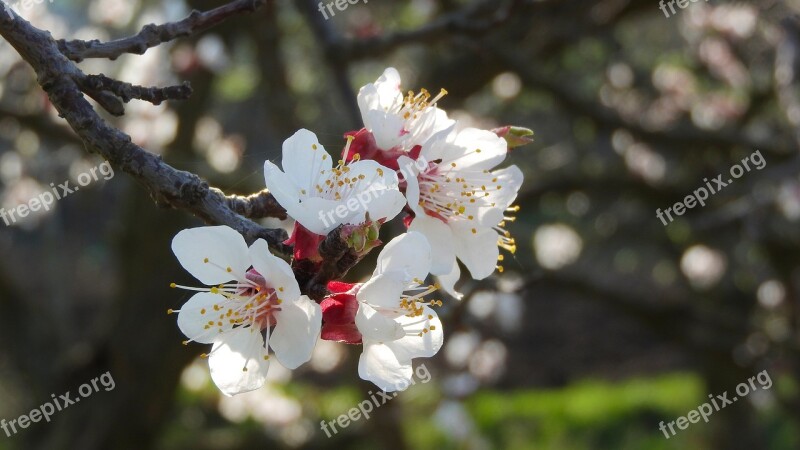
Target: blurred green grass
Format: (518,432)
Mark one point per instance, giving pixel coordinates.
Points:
(592,414)
(589,414)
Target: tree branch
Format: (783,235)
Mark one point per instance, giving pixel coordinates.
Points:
(127,91)
(153,35)
(168,186)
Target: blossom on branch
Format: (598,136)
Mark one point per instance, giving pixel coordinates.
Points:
(320,196)
(396,124)
(253,303)
(396,322)
(461,205)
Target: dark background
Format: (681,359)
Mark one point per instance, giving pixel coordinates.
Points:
(605,323)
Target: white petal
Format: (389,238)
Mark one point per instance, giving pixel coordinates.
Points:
(409,253)
(410,168)
(443,126)
(415,346)
(233,352)
(510,179)
(382,95)
(412,188)
(380,365)
(386,128)
(387,205)
(195,317)
(277,272)
(296,331)
(440,238)
(374,174)
(376,192)
(316,214)
(448,282)
(319,215)
(475,149)
(303,160)
(283,188)
(221,245)
(433,124)
(478,251)
(368,100)
(375,326)
(388,88)
(384,290)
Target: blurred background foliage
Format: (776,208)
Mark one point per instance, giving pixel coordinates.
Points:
(603,324)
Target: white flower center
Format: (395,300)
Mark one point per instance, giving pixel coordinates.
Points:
(337,183)
(247,302)
(414,104)
(450,193)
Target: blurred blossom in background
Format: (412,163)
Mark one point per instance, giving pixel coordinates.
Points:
(603,324)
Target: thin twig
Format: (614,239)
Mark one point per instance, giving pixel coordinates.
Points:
(153,35)
(127,91)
